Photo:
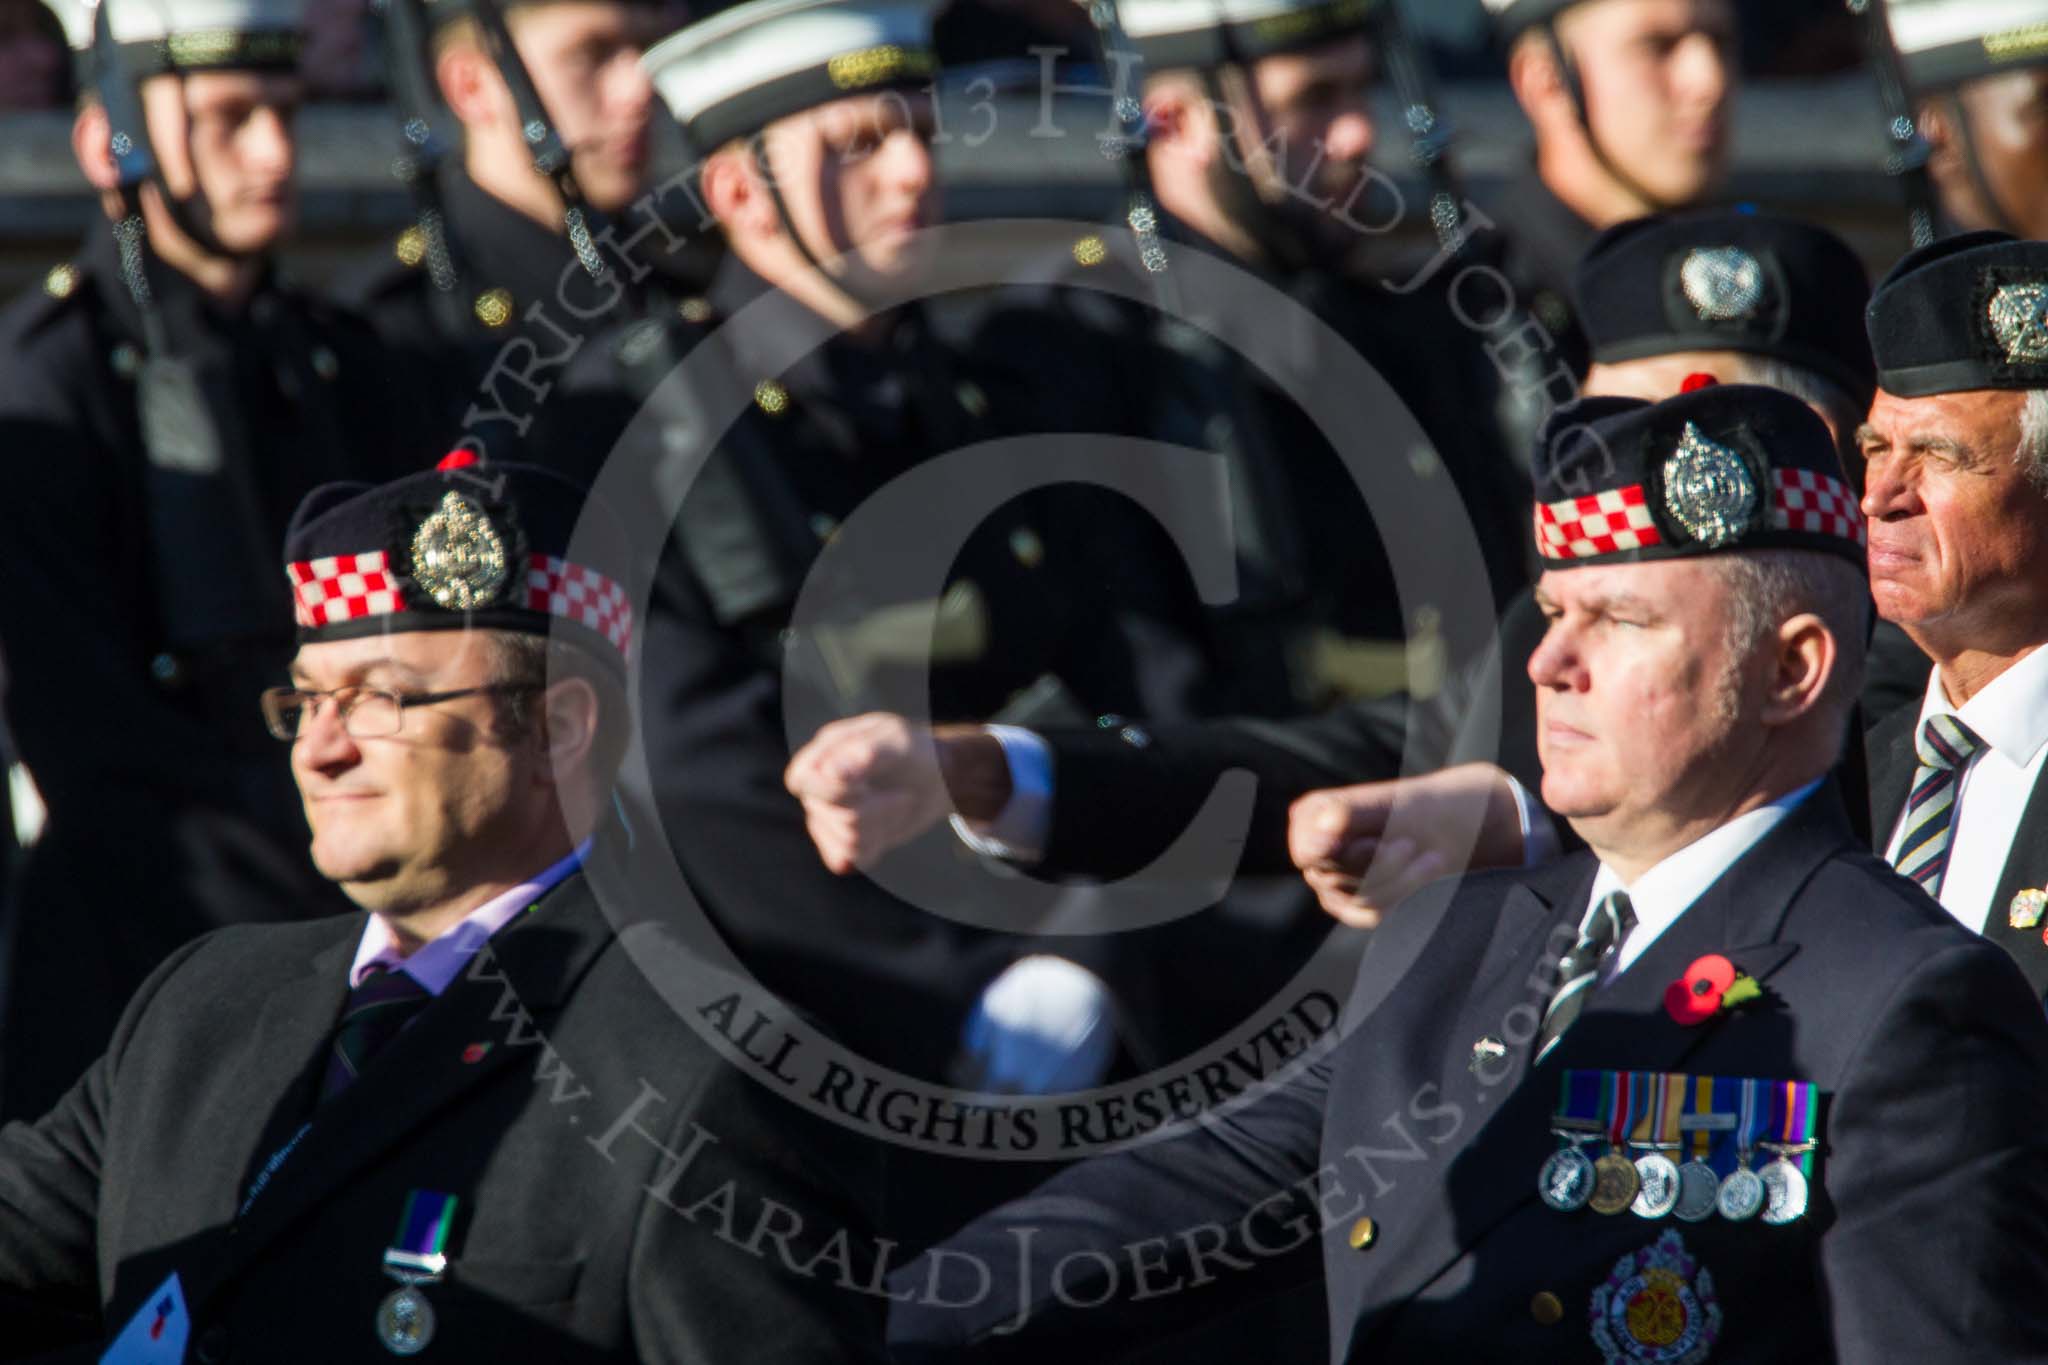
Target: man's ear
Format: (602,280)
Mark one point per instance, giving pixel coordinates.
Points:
(89,145)
(1534,77)
(735,192)
(1805,658)
(1178,122)
(470,84)
(1937,124)
(569,719)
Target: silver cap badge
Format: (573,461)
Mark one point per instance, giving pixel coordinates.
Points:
(2019,320)
(1722,283)
(459,557)
(1708,490)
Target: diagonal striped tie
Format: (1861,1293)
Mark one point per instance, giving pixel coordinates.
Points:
(372,1016)
(1945,747)
(1600,933)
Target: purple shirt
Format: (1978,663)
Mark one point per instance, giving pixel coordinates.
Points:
(436,963)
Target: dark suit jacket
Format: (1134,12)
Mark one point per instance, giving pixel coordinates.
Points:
(1930,1206)
(1892,766)
(541,1089)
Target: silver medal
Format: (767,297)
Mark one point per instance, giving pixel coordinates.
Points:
(1741,1196)
(1566,1181)
(1659,1192)
(1699,1191)
(405,1322)
(1785,1190)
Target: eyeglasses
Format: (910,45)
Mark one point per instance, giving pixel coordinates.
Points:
(366,712)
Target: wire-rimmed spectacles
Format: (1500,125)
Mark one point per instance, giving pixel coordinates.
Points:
(366,712)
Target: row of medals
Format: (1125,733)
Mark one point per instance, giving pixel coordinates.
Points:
(1654,1186)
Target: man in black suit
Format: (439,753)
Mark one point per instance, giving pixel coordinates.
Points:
(1957,445)
(479,1062)
(1726,979)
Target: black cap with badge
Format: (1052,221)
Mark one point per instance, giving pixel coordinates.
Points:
(1968,312)
(460,546)
(1723,280)
(1720,467)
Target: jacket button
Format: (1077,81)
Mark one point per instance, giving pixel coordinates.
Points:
(1546,1309)
(1364,1233)
(212,1346)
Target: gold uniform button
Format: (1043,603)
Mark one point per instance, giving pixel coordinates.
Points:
(695,310)
(494,307)
(771,398)
(61,282)
(1090,251)
(1364,1233)
(1546,1309)
(411,247)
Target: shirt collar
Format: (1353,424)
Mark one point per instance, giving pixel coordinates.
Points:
(1666,891)
(2010,714)
(437,963)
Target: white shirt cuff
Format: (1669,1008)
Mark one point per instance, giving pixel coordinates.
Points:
(1020,830)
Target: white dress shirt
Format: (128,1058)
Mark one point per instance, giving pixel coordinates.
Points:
(1669,889)
(2011,717)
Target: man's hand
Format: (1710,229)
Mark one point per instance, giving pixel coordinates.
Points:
(1365,848)
(875,782)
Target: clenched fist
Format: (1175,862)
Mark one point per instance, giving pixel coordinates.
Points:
(873,783)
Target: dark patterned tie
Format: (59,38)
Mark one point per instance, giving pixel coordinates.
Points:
(1602,931)
(1945,747)
(374,1014)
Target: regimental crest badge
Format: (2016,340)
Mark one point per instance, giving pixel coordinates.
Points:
(1657,1308)
(2019,321)
(460,557)
(1708,490)
(1722,283)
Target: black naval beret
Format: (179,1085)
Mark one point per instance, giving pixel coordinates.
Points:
(1720,467)
(733,74)
(1943,43)
(1206,33)
(1724,280)
(1967,312)
(462,545)
(157,36)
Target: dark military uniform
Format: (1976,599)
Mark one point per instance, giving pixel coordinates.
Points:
(1045,615)
(144,613)
(481,355)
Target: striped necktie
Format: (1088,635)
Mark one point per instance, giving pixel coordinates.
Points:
(1602,931)
(1945,747)
(373,1015)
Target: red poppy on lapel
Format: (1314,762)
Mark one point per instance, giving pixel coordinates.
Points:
(1710,985)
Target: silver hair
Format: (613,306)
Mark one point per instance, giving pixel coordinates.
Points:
(1815,389)
(1769,587)
(2032,452)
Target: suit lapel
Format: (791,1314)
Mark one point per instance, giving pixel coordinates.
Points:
(2025,866)
(509,993)
(1550,903)
(1889,748)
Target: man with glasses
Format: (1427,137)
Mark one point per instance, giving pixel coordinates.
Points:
(472,1057)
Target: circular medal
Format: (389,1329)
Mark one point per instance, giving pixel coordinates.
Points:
(1699,1190)
(1657,1186)
(1742,1194)
(1566,1181)
(405,1322)
(1785,1191)
(1614,1183)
